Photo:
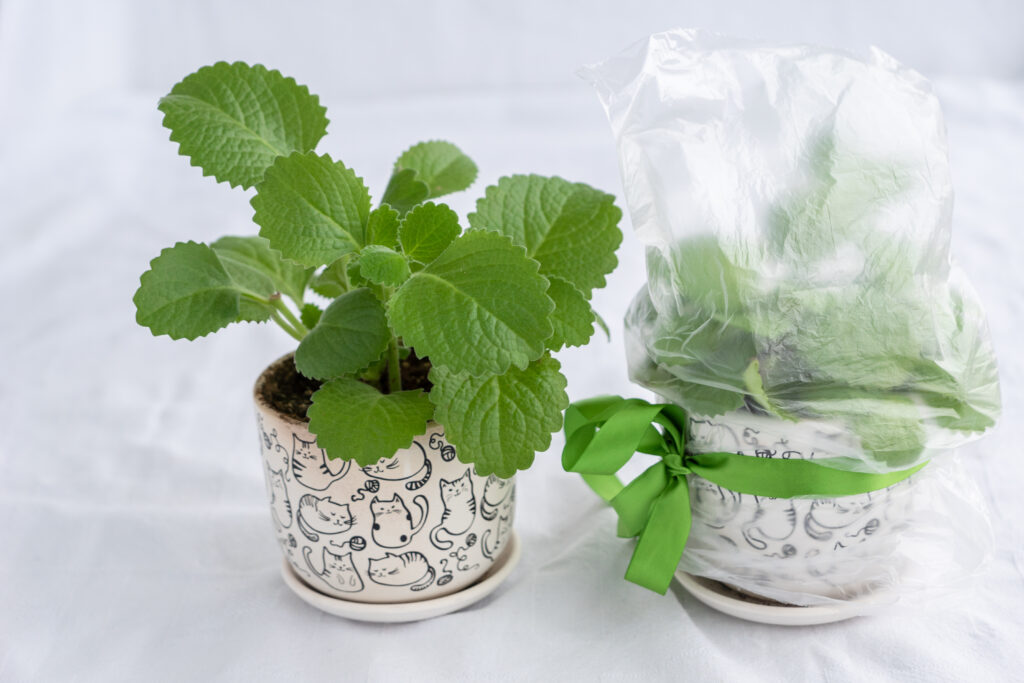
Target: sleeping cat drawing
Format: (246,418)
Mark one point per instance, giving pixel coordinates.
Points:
(280,506)
(496,492)
(829,515)
(322,516)
(312,468)
(339,571)
(459,510)
(409,464)
(408,569)
(392,522)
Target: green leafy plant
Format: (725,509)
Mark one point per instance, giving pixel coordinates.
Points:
(829,317)
(487,305)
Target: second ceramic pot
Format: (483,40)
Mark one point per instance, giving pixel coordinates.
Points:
(797,549)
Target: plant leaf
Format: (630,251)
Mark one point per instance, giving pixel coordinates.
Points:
(498,422)
(233,120)
(352,333)
(427,230)
(382,227)
(404,191)
(440,165)
(311,208)
(383,266)
(570,228)
(252,261)
(310,315)
(332,281)
(353,420)
(479,307)
(573,318)
(187,293)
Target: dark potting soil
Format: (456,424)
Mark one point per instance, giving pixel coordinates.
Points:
(291,392)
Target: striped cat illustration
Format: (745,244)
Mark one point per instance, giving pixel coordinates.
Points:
(459,510)
(392,523)
(322,516)
(312,468)
(408,569)
(409,464)
(339,571)
(280,506)
(496,492)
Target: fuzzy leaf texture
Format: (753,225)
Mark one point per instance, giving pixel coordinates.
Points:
(312,209)
(573,318)
(480,307)
(353,420)
(570,228)
(383,266)
(382,227)
(498,422)
(351,333)
(427,230)
(404,191)
(252,260)
(332,281)
(233,120)
(439,165)
(188,293)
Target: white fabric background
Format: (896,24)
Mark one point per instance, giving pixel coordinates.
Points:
(134,539)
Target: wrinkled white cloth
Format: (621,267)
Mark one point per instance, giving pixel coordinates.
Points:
(136,542)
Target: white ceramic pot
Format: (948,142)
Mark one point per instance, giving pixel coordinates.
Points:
(798,548)
(418,525)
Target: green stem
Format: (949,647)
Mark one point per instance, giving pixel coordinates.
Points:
(394,360)
(296,324)
(276,317)
(394,367)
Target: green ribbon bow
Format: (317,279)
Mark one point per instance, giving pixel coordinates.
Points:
(603,433)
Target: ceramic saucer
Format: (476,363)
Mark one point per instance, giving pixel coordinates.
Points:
(408,611)
(720,597)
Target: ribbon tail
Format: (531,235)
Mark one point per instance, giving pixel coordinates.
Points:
(663,539)
(605,485)
(633,504)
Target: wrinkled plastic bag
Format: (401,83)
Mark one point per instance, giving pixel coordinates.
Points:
(796,207)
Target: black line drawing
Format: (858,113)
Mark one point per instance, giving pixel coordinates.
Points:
(322,516)
(357,543)
(437,443)
(269,445)
(461,555)
(339,571)
(496,492)
(712,504)
(392,522)
(828,515)
(459,510)
(776,522)
(280,505)
(446,574)
(408,569)
(311,466)
(409,464)
(489,551)
(713,434)
(370,486)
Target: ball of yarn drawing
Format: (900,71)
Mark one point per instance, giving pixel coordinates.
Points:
(470,540)
(372,485)
(357,543)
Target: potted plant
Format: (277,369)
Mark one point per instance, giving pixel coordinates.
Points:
(423,378)
(801,316)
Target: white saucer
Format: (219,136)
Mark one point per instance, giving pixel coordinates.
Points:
(408,611)
(719,597)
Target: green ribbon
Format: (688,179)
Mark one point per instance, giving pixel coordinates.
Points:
(603,433)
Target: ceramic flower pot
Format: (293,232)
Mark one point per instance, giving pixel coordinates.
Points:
(418,525)
(833,548)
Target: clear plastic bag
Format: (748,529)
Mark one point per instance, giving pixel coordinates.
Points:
(796,207)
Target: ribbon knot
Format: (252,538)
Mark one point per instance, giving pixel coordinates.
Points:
(602,434)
